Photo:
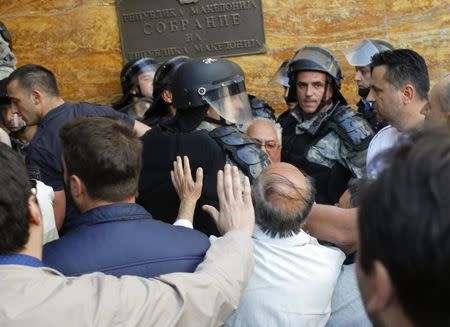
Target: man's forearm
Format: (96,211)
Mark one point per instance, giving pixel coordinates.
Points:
(207,297)
(335,225)
(186,210)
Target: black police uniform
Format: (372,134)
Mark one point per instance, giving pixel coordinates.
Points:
(206,149)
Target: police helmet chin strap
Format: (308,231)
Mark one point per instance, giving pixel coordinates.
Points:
(221,121)
(138,93)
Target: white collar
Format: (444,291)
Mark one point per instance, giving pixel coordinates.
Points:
(301,238)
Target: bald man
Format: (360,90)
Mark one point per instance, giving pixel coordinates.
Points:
(437,108)
(294,275)
(267,133)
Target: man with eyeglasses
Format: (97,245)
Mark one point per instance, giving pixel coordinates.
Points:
(268,134)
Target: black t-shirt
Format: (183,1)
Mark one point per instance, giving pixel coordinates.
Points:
(45,149)
(156,193)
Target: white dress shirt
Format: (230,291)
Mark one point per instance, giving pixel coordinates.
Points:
(45,197)
(384,140)
(292,282)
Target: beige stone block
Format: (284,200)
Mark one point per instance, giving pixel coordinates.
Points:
(79,39)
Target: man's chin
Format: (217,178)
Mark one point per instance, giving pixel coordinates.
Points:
(309,109)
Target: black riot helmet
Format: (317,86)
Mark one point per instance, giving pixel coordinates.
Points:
(132,69)
(129,79)
(5,100)
(319,59)
(4,33)
(217,83)
(165,72)
(160,109)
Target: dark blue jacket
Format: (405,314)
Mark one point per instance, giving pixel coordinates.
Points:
(45,149)
(124,239)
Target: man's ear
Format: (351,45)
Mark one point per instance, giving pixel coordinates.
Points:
(382,289)
(34,212)
(167,96)
(36,96)
(77,187)
(330,91)
(408,93)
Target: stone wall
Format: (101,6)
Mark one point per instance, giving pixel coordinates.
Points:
(79,39)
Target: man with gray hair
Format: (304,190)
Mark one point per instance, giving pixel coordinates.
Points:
(294,276)
(267,133)
(437,108)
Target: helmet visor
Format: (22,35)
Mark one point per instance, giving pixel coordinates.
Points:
(230,101)
(281,75)
(361,53)
(143,65)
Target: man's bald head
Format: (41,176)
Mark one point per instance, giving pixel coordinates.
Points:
(444,93)
(283,198)
(437,108)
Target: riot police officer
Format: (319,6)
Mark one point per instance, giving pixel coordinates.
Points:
(162,107)
(322,136)
(281,78)
(359,56)
(260,108)
(211,100)
(8,60)
(19,133)
(136,80)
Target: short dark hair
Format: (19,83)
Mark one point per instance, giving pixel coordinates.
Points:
(16,189)
(404,66)
(281,208)
(105,154)
(404,222)
(33,76)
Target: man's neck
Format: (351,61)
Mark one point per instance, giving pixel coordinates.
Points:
(52,103)
(411,118)
(172,111)
(90,204)
(33,247)
(27,133)
(392,318)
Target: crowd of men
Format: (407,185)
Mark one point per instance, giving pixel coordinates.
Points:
(188,203)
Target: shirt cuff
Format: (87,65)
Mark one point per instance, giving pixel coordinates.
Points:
(184,223)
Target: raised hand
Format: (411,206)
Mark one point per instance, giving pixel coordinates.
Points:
(236,208)
(188,190)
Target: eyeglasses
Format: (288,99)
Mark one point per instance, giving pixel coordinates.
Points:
(269,145)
